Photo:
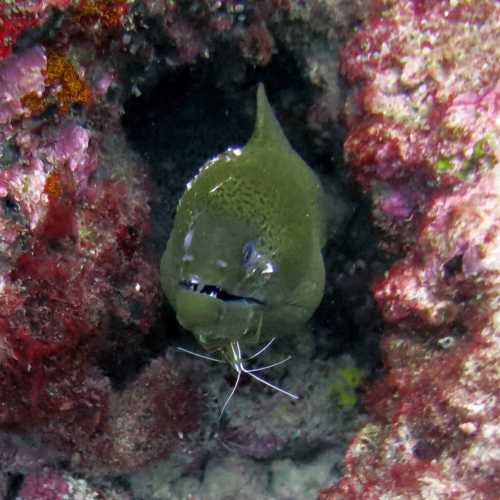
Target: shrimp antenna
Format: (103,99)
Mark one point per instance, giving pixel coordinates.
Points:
(260,351)
(275,387)
(231,394)
(262,368)
(238,365)
(236,360)
(198,355)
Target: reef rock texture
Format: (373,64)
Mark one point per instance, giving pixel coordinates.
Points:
(193,26)
(87,382)
(78,288)
(424,123)
(18,15)
(317,31)
(50,484)
(423,111)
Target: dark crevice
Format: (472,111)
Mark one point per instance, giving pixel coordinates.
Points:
(15,481)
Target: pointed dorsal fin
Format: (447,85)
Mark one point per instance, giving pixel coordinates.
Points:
(267,130)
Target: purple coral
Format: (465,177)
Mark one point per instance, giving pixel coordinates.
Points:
(73,147)
(19,76)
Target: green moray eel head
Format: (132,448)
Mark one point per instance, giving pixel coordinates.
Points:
(243,262)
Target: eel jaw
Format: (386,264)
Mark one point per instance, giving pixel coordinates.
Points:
(218,293)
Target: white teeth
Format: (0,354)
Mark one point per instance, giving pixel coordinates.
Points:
(269,269)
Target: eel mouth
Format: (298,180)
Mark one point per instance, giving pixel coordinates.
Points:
(218,293)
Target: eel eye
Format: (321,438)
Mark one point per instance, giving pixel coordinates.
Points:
(250,254)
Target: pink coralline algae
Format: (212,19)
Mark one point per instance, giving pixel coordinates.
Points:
(46,485)
(50,484)
(75,268)
(423,141)
(424,102)
(437,410)
(20,76)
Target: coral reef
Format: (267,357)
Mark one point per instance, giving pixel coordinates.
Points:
(192,27)
(16,16)
(265,446)
(144,422)
(79,289)
(422,112)
(315,422)
(424,142)
(89,381)
(317,30)
(50,484)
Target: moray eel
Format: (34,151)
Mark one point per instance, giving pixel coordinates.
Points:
(243,263)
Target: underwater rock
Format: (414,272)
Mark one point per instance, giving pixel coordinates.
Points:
(193,27)
(51,484)
(78,288)
(423,104)
(423,141)
(154,415)
(84,382)
(21,15)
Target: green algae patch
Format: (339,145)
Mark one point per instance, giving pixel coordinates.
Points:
(442,165)
(343,388)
